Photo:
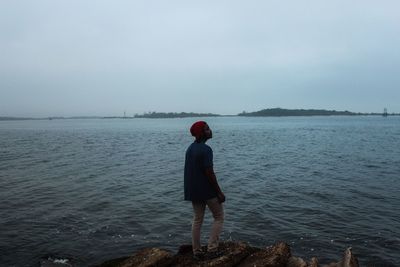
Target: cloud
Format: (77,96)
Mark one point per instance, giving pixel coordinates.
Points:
(270,49)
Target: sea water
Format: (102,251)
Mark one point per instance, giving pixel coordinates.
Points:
(88,190)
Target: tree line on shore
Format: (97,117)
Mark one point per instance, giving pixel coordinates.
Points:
(272,112)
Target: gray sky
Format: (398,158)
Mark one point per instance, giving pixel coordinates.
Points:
(77,57)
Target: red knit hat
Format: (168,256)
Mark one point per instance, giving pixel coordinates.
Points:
(197,129)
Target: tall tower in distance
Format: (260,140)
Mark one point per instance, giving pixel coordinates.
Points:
(385,113)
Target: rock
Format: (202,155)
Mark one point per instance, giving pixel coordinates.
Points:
(185,249)
(313,262)
(296,262)
(348,260)
(273,256)
(112,262)
(231,254)
(148,257)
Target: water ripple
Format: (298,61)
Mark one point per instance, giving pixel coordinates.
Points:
(98,189)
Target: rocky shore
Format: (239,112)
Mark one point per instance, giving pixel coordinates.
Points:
(231,254)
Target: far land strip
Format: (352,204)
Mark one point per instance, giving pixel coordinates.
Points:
(272,112)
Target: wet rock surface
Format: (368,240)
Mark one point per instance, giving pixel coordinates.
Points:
(277,255)
(229,254)
(348,260)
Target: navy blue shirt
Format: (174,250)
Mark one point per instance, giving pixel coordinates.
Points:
(199,157)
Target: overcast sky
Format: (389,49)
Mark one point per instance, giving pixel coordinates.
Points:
(77,57)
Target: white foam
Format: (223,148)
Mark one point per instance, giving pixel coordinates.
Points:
(61,261)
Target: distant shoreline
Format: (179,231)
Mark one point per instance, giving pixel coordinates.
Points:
(274,112)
